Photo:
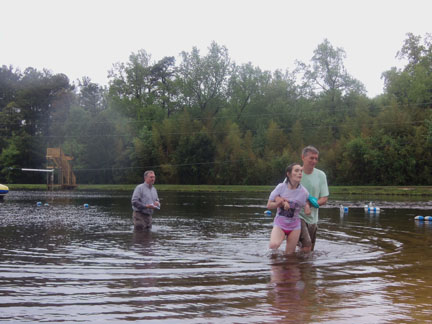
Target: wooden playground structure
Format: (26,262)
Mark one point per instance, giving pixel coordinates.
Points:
(59,161)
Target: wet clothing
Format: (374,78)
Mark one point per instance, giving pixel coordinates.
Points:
(141,221)
(308,234)
(316,185)
(143,195)
(288,220)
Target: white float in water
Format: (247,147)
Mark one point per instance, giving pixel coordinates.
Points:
(343,210)
(371,209)
(425,218)
(374,210)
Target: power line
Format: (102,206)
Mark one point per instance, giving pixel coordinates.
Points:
(177,165)
(345,124)
(243,115)
(168,165)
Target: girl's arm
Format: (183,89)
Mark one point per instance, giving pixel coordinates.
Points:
(278,202)
(282,203)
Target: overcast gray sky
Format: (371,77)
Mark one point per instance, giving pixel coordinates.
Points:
(86,37)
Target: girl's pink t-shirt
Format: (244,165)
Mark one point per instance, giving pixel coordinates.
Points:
(289,219)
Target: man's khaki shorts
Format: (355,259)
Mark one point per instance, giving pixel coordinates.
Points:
(308,234)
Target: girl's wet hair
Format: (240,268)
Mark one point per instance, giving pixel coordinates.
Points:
(289,169)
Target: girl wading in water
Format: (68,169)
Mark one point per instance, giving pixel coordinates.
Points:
(289,198)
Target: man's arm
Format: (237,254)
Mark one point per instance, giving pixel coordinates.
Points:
(136,201)
(322,201)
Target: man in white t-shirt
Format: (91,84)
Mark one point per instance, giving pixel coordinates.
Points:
(315,181)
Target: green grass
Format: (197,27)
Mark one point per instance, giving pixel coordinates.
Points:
(334,190)
(382,190)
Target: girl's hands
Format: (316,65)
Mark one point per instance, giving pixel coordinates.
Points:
(285,205)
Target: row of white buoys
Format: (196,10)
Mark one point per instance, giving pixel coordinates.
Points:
(371,209)
(39,204)
(425,218)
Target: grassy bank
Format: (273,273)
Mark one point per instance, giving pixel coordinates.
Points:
(334,190)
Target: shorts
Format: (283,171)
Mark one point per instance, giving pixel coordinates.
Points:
(308,234)
(142,221)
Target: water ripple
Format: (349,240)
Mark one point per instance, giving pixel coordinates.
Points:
(206,262)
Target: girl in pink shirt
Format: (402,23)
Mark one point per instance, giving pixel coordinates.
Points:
(289,198)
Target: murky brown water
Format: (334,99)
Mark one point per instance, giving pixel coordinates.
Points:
(206,261)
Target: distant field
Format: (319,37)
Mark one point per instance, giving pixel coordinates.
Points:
(334,190)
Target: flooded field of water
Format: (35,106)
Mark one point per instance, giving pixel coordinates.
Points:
(206,260)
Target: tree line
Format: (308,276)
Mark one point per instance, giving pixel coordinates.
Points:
(208,120)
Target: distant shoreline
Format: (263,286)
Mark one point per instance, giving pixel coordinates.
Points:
(334,190)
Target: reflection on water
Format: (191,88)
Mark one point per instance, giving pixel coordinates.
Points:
(288,290)
(206,260)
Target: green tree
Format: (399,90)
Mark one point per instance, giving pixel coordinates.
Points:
(9,85)
(143,152)
(194,158)
(328,81)
(328,73)
(76,127)
(103,144)
(232,157)
(276,140)
(91,96)
(413,83)
(37,100)
(355,167)
(164,74)
(16,155)
(204,80)
(245,88)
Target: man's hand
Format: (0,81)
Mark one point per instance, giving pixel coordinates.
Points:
(153,206)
